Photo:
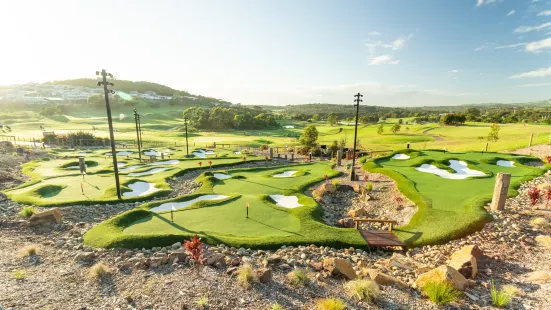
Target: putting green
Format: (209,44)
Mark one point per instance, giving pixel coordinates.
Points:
(56,182)
(267,226)
(448,208)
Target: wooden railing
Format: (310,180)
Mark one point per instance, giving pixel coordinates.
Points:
(357,221)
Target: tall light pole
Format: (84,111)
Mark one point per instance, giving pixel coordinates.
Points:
(104,82)
(357,105)
(187,148)
(140,129)
(136,115)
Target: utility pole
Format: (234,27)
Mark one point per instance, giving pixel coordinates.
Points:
(357,105)
(136,115)
(185,122)
(104,82)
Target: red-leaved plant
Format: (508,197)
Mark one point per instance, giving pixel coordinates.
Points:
(547,197)
(326,177)
(366,177)
(398,200)
(266,157)
(548,158)
(194,247)
(535,195)
(200,163)
(210,163)
(244,158)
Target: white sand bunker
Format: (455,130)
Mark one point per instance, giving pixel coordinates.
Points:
(285,174)
(166,162)
(202,153)
(130,168)
(152,171)
(505,163)
(141,189)
(289,127)
(222,176)
(289,202)
(124,153)
(237,153)
(152,153)
(400,156)
(121,164)
(180,205)
(76,167)
(460,167)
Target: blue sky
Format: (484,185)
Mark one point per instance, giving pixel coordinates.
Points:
(396,53)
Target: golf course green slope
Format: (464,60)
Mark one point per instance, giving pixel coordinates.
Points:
(225,220)
(449,208)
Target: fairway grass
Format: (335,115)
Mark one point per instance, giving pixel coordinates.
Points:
(53,184)
(225,220)
(449,208)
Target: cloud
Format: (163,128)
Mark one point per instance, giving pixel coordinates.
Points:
(542,72)
(510,13)
(383,59)
(545,13)
(534,85)
(485,2)
(509,46)
(397,44)
(524,29)
(537,46)
(481,47)
(454,71)
(373,33)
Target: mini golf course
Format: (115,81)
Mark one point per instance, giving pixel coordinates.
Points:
(278,213)
(57,182)
(450,189)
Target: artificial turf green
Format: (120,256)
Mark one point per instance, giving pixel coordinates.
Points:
(449,208)
(268,225)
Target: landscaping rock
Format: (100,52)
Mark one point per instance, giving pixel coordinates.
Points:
(339,266)
(444,273)
(360,212)
(217,260)
(384,279)
(274,259)
(403,262)
(176,245)
(264,275)
(85,257)
(465,262)
(346,222)
(328,187)
(539,276)
(50,216)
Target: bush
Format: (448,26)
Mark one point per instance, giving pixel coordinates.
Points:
(245,275)
(264,147)
(330,304)
(98,271)
(298,277)
(369,187)
(18,274)
(303,150)
(336,183)
(440,293)
(363,290)
(500,298)
(276,306)
(28,250)
(27,211)
(203,301)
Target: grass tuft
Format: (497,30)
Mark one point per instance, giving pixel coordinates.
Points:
(543,241)
(98,271)
(276,306)
(539,222)
(511,290)
(18,274)
(441,292)
(245,275)
(28,250)
(27,211)
(330,304)
(363,290)
(203,301)
(298,277)
(500,298)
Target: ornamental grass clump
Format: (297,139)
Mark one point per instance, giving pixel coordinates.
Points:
(363,290)
(440,292)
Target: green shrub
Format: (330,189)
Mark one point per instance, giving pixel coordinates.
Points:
(369,187)
(363,290)
(276,306)
(203,301)
(298,277)
(336,183)
(18,274)
(27,211)
(98,271)
(330,304)
(500,298)
(441,292)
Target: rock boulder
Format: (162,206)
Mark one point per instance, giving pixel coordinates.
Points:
(50,216)
(339,267)
(444,273)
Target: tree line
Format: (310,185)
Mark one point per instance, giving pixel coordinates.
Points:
(222,118)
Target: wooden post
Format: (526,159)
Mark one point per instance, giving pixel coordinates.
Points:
(339,158)
(271,153)
(500,191)
(531,136)
(293,156)
(486,146)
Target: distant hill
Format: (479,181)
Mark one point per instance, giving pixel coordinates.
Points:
(126,86)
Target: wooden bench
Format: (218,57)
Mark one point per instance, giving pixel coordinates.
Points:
(379,238)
